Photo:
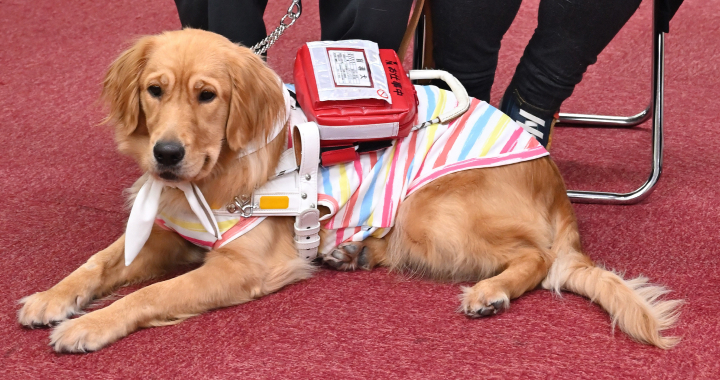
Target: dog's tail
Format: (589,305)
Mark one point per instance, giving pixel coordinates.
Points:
(633,304)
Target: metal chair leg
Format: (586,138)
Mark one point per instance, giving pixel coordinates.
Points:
(419,45)
(656,106)
(581,120)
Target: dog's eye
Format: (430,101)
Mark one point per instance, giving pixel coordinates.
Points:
(155,91)
(206,96)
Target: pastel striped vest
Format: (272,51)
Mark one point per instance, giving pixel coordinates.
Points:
(364,195)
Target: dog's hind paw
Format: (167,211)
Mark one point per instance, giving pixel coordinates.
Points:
(48,308)
(348,256)
(478,302)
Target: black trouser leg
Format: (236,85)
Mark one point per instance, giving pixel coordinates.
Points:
(381,21)
(241,21)
(569,37)
(193,13)
(466,39)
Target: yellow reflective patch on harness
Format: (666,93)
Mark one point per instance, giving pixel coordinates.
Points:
(274,202)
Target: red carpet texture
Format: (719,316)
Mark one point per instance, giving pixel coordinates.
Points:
(61,182)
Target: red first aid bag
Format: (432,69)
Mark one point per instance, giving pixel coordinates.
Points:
(360,96)
(354,91)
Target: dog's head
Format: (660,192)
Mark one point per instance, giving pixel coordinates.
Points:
(182,99)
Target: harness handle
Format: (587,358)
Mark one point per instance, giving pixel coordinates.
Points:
(455,86)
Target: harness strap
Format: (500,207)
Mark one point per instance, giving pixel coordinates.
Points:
(294,193)
(307,229)
(306,141)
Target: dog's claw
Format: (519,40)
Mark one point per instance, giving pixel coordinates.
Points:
(483,312)
(488,311)
(498,305)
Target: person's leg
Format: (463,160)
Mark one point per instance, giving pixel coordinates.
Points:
(381,21)
(241,21)
(193,13)
(569,37)
(466,39)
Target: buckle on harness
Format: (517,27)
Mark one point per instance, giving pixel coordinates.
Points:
(241,204)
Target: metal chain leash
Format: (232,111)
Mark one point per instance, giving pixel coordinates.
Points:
(293,13)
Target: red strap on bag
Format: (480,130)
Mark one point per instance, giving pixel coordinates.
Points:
(354,121)
(338,156)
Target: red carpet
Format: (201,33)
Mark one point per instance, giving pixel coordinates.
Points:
(61,183)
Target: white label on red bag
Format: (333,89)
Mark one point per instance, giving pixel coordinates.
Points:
(362,132)
(348,70)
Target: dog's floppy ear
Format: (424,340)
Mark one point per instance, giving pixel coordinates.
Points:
(121,91)
(256,101)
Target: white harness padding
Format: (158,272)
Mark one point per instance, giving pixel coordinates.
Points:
(296,183)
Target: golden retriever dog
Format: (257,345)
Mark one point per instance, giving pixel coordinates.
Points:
(511,228)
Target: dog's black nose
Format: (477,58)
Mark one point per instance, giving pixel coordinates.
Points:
(168,153)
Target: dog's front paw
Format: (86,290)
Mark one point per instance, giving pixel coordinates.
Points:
(88,333)
(483,300)
(348,256)
(48,308)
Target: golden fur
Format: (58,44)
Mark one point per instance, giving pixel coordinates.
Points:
(511,228)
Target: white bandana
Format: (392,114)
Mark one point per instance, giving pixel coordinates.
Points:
(145,208)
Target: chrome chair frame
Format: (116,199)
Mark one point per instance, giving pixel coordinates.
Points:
(655,109)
